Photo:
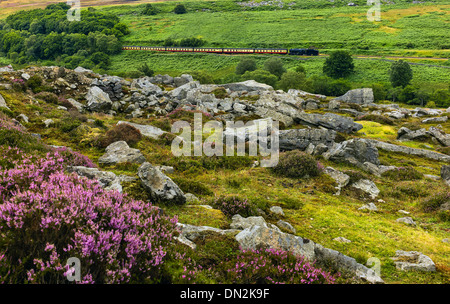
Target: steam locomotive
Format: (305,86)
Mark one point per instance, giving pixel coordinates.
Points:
(305,52)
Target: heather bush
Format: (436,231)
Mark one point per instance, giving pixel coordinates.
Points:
(297,164)
(48,216)
(124,132)
(232,205)
(269,266)
(435,201)
(74,158)
(402,174)
(48,97)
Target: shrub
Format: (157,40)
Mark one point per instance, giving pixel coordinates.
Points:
(376,118)
(292,80)
(145,69)
(48,217)
(231,205)
(246,64)
(261,76)
(338,65)
(48,97)
(275,66)
(402,174)
(435,201)
(400,73)
(180,9)
(124,132)
(296,164)
(34,82)
(270,266)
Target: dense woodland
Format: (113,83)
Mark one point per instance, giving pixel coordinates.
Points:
(46,34)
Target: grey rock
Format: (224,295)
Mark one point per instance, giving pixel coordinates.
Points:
(83,70)
(410,151)
(23,117)
(403,212)
(341,179)
(160,187)
(120,152)
(277,210)
(3,103)
(191,198)
(145,84)
(418,135)
(413,261)
(183,240)
(146,130)
(79,106)
(6,69)
(183,79)
(258,128)
(48,122)
(311,104)
(341,240)
(445,172)
(358,96)
(442,137)
(369,206)
(241,223)
(97,100)
(435,119)
(192,232)
(367,186)
(181,91)
(355,151)
(301,138)
(334,105)
(330,121)
(286,226)
(406,220)
(249,86)
(106,179)
(303,94)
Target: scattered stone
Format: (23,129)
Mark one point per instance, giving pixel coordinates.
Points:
(277,210)
(120,152)
(160,187)
(369,207)
(191,198)
(413,261)
(406,220)
(435,119)
(341,179)
(368,187)
(76,104)
(418,135)
(330,121)
(146,130)
(3,103)
(446,240)
(286,226)
(48,122)
(106,179)
(341,240)
(403,212)
(23,117)
(439,134)
(355,151)
(97,100)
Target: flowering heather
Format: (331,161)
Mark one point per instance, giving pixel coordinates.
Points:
(179,112)
(10,125)
(74,158)
(47,216)
(269,266)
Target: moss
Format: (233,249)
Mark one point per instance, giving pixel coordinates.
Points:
(188,185)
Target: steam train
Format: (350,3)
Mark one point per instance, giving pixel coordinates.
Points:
(305,52)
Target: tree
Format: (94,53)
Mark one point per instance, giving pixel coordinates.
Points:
(400,74)
(394,93)
(149,10)
(339,65)
(292,80)
(261,76)
(180,9)
(246,64)
(146,70)
(275,66)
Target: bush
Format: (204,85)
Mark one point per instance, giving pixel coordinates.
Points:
(58,216)
(400,74)
(246,64)
(339,64)
(275,66)
(145,69)
(292,80)
(47,97)
(124,132)
(435,201)
(402,174)
(34,82)
(297,164)
(149,10)
(180,9)
(376,118)
(232,205)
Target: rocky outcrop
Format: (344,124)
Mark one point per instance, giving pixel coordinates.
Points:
(358,96)
(301,138)
(439,134)
(413,261)
(111,85)
(340,178)
(330,121)
(119,152)
(248,86)
(3,103)
(241,223)
(160,187)
(355,151)
(418,135)
(367,186)
(259,237)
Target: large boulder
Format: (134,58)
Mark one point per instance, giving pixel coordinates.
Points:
(119,152)
(358,96)
(182,91)
(418,135)
(301,138)
(241,223)
(367,186)
(145,84)
(413,261)
(356,151)
(160,187)
(97,100)
(330,121)
(442,137)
